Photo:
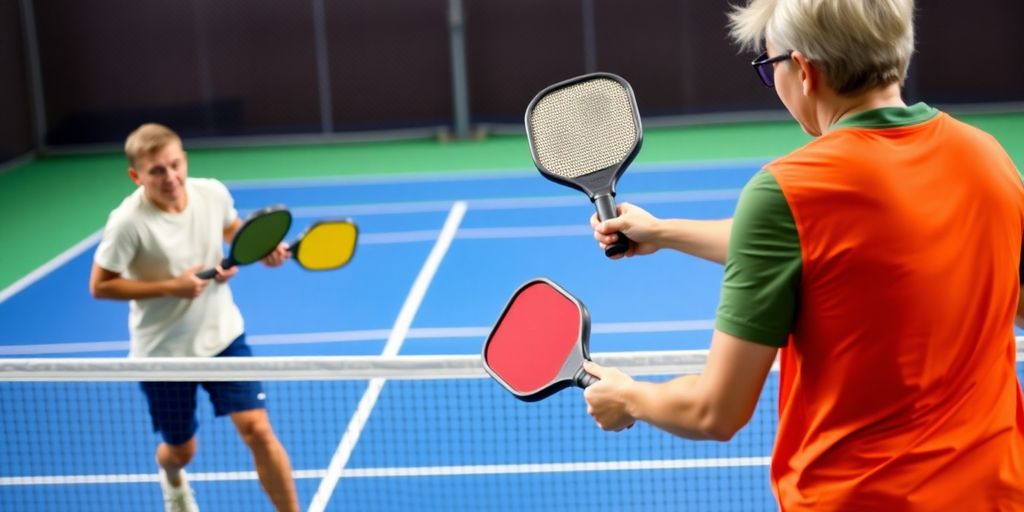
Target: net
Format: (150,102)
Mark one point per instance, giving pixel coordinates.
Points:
(367,434)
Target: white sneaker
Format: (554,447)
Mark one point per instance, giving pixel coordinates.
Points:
(177,499)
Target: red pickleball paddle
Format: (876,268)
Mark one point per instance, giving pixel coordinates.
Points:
(539,344)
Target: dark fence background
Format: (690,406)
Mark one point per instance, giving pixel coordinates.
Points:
(336,68)
(15,123)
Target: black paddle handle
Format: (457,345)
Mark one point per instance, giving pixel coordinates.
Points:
(605,205)
(584,379)
(225,264)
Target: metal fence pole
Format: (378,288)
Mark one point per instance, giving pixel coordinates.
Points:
(203,62)
(35,74)
(323,68)
(589,37)
(460,88)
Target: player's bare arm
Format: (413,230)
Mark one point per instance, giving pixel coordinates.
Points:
(705,239)
(106,284)
(712,405)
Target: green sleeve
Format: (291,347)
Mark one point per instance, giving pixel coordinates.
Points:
(1020,264)
(762,268)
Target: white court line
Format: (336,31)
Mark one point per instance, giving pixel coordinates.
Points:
(478,233)
(562,467)
(470,332)
(487,175)
(513,203)
(398,333)
(50,266)
(301,338)
(478,469)
(40,349)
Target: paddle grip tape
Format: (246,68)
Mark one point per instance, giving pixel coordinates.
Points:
(605,204)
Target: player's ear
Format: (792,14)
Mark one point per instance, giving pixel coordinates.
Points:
(809,73)
(134,175)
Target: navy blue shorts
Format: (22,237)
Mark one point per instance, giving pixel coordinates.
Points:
(172,405)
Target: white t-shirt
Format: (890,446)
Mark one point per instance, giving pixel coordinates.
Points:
(142,242)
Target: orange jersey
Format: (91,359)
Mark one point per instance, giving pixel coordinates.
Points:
(898,386)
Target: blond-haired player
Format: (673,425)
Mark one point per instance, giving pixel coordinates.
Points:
(153,244)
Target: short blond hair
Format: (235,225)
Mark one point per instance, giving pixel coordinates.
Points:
(858,44)
(148,140)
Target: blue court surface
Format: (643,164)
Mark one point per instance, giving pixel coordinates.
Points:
(438,257)
(504,229)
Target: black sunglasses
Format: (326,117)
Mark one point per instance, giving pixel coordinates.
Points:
(765,69)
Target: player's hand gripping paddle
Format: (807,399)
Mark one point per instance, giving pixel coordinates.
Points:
(257,238)
(583,133)
(326,245)
(539,343)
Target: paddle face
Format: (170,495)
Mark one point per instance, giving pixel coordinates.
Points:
(326,245)
(583,133)
(260,235)
(538,345)
(256,238)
